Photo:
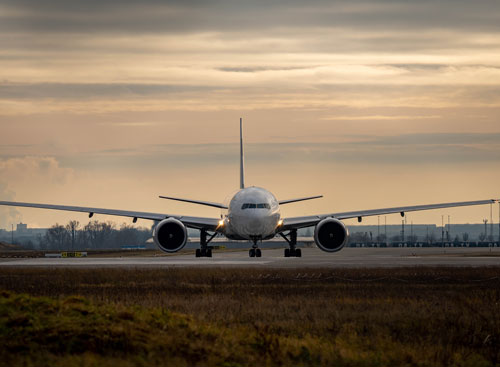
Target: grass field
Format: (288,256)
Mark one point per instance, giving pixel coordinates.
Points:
(249,317)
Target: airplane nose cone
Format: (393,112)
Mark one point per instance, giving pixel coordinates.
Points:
(254,225)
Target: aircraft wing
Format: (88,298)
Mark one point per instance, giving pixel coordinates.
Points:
(192,222)
(307,221)
(281,202)
(200,202)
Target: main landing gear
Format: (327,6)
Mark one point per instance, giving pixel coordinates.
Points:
(255,250)
(293,251)
(205,250)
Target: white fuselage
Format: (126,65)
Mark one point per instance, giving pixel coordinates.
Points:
(253,213)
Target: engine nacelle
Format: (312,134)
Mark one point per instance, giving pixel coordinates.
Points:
(331,235)
(170,235)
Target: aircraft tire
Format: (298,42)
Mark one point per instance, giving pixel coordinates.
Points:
(258,253)
(209,252)
(198,252)
(287,252)
(298,252)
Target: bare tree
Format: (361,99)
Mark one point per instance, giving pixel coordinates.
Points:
(56,237)
(126,236)
(72,228)
(99,234)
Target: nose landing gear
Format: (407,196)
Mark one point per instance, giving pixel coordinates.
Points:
(255,250)
(293,251)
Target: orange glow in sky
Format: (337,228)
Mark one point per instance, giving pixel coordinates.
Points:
(370,103)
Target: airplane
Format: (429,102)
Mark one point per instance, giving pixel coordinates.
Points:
(252,214)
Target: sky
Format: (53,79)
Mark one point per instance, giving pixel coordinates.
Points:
(369,103)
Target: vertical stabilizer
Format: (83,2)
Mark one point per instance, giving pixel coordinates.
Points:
(242,163)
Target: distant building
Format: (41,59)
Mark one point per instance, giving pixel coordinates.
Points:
(22,228)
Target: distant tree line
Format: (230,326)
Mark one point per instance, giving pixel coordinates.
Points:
(94,235)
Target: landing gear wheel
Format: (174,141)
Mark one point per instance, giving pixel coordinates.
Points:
(251,252)
(204,250)
(293,251)
(258,253)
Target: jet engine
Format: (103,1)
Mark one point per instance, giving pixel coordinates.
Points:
(331,235)
(170,235)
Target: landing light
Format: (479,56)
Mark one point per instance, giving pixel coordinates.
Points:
(221,223)
(280,222)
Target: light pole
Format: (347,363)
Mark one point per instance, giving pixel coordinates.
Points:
(442,230)
(411,235)
(378,228)
(449,229)
(385,230)
(403,232)
(485,221)
(491,222)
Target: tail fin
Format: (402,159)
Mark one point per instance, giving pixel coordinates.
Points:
(242,166)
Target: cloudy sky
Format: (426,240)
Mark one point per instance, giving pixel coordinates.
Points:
(370,103)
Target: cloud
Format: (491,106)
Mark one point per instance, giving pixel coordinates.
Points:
(441,139)
(43,170)
(8,215)
(151,90)
(359,150)
(256,69)
(31,176)
(91,90)
(104,56)
(381,117)
(228,15)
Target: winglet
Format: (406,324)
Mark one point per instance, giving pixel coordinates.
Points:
(242,167)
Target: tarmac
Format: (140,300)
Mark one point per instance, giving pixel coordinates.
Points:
(273,258)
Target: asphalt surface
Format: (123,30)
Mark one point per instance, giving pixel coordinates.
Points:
(273,258)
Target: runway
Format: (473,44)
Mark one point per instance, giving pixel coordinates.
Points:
(273,258)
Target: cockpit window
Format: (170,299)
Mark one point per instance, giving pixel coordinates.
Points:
(255,206)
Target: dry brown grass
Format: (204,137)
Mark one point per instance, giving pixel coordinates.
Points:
(407,316)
